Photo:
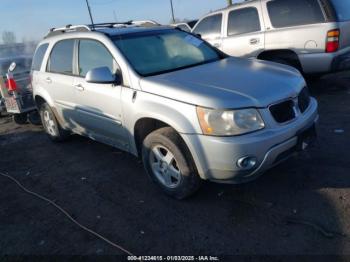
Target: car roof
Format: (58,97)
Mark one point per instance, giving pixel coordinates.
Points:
(109,29)
(246,2)
(119,31)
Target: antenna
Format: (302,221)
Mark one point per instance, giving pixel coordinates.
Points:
(172,10)
(115,16)
(92,20)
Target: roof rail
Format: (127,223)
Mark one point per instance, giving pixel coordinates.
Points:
(68,28)
(111,25)
(235,4)
(88,28)
(125,24)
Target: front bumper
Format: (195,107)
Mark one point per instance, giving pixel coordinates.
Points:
(216,157)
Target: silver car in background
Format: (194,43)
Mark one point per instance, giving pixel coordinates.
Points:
(310,35)
(185,26)
(188,110)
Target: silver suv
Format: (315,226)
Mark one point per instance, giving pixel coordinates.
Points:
(189,111)
(310,35)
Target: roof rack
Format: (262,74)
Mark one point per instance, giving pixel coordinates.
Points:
(89,28)
(125,24)
(68,28)
(235,4)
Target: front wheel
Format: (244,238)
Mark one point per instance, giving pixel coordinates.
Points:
(169,163)
(53,129)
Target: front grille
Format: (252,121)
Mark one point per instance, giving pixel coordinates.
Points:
(304,100)
(283,112)
(288,110)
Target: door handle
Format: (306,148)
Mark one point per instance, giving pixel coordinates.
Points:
(254,41)
(48,80)
(79,87)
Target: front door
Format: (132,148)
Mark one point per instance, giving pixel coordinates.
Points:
(210,29)
(99,105)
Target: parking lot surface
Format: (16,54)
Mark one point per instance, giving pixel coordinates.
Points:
(299,207)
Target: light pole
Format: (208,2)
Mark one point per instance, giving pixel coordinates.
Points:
(172,10)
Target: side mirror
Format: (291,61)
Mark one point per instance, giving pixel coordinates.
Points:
(102,75)
(12,67)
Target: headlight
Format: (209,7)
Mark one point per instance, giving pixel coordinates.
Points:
(229,122)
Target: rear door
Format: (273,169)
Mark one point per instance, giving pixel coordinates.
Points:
(244,33)
(99,105)
(58,81)
(211,28)
(36,71)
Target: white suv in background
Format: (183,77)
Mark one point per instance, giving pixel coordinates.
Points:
(310,35)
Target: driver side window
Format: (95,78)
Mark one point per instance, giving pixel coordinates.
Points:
(93,54)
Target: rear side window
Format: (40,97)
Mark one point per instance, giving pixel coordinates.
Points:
(39,56)
(284,13)
(242,21)
(61,58)
(210,25)
(342,9)
(93,54)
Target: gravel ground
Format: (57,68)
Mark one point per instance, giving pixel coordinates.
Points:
(300,207)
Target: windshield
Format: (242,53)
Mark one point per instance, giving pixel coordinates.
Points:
(342,8)
(164,51)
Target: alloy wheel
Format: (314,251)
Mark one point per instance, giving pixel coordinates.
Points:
(164,166)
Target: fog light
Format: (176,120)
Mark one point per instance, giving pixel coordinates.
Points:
(247,162)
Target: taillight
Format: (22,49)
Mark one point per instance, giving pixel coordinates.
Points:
(332,44)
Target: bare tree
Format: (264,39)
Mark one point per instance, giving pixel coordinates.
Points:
(8,37)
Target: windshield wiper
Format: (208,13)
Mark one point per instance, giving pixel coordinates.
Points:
(182,67)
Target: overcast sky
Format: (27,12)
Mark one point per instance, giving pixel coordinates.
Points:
(31,19)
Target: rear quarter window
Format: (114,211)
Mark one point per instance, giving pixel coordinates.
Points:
(342,9)
(285,13)
(39,56)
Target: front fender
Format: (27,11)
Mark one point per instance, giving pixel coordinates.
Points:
(180,116)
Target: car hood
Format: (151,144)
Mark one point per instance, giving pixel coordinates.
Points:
(228,83)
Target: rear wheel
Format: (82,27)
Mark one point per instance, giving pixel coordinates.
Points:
(169,163)
(20,119)
(52,127)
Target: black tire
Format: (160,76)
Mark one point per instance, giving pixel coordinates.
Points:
(282,61)
(34,118)
(53,129)
(20,119)
(312,79)
(167,139)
